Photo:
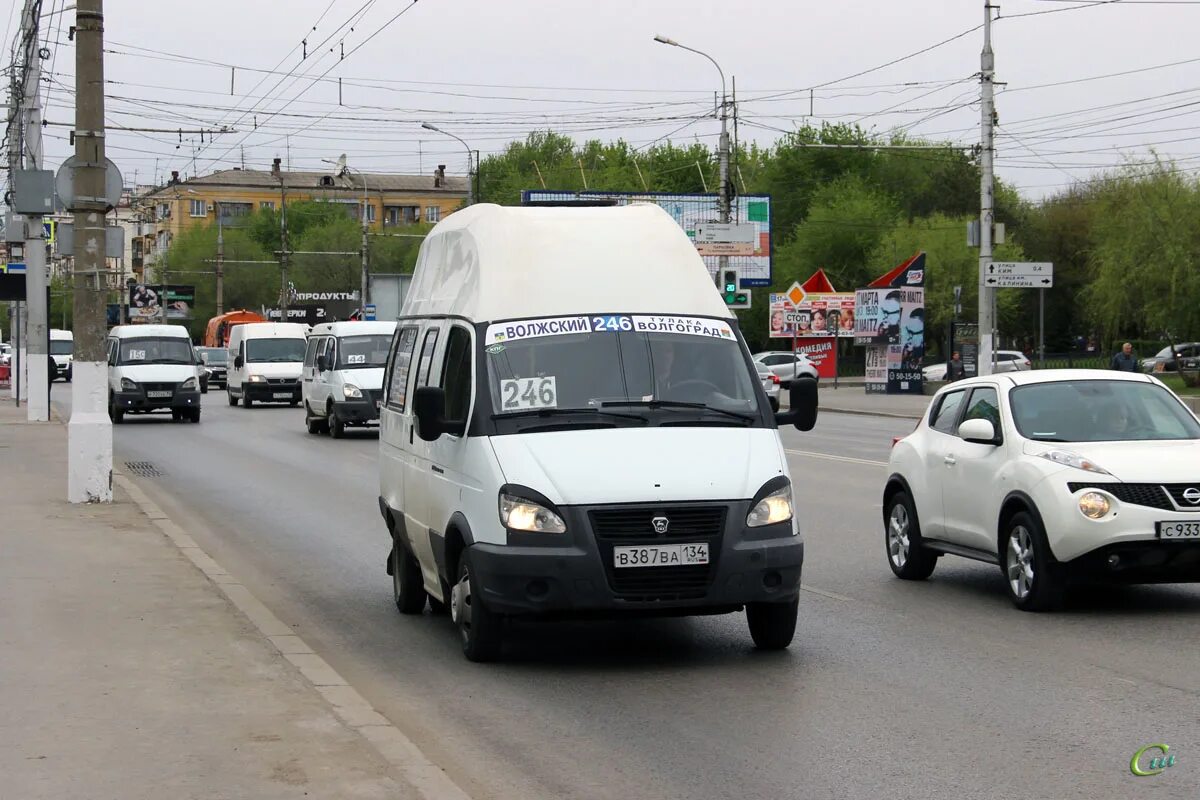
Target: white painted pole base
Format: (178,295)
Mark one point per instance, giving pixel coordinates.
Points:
(38,408)
(24,357)
(89,435)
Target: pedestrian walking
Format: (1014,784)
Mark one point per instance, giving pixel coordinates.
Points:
(955,371)
(1124,360)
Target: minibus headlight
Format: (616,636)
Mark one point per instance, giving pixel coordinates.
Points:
(190,383)
(519,514)
(257,379)
(128,385)
(351,391)
(775,507)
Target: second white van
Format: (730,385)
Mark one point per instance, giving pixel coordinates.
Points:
(343,374)
(267,361)
(62,350)
(152,367)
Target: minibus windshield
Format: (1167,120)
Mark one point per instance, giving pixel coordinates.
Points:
(61,347)
(681,365)
(360,352)
(155,350)
(275,350)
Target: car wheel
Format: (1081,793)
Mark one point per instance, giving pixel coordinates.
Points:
(902,535)
(337,428)
(478,627)
(246,401)
(229,396)
(774,401)
(407,588)
(115,414)
(68,376)
(204,388)
(313,424)
(772,625)
(1033,577)
(194,415)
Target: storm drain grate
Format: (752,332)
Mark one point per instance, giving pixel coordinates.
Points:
(145,469)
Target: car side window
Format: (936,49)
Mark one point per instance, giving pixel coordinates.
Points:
(946,413)
(456,374)
(397,382)
(310,353)
(984,404)
(425,364)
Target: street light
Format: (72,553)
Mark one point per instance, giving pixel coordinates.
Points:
(343,169)
(475,193)
(723,147)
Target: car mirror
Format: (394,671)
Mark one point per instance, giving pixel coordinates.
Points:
(238,362)
(978,431)
(429,410)
(322,364)
(802,399)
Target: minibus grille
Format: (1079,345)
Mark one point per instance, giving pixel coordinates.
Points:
(290,383)
(634,525)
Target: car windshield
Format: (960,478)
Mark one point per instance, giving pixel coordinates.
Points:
(275,350)
(361,352)
(689,366)
(155,350)
(214,355)
(61,347)
(1100,411)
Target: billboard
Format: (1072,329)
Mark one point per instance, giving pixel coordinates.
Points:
(817,315)
(694,211)
(822,352)
(145,301)
(890,319)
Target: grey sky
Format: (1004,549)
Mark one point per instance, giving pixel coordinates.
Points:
(446,49)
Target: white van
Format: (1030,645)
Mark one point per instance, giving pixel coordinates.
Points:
(62,350)
(267,361)
(343,374)
(572,424)
(152,367)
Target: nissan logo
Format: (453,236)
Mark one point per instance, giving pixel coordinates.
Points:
(1192,495)
(662,523)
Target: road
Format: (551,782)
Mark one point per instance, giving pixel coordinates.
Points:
(891,689)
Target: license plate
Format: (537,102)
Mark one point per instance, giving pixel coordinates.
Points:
(661,555)
(1179,530)
(158,394)
(282,396)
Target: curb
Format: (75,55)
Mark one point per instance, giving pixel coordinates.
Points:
(863,413)
(429,780)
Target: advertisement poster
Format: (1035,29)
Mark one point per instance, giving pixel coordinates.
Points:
(890,319)
(964,337)
(315,313)
(819,315)
(145,302)
(877,373)
(821,351)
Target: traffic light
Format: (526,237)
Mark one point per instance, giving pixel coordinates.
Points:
(734,296)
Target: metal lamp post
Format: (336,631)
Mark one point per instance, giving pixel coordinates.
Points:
(472,181)
(365,290)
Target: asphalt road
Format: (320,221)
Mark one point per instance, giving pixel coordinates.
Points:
(891,689)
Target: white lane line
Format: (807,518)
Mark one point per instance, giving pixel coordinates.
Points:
(832,457)
(372,459)
(823,593)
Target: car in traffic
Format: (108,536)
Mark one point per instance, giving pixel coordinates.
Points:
(1055,476)
(268,358)
(1006,361)
(150,368)
(342,381)
(1167,361)
(580,449)
(62,349)
(770,384)
(215,361)
(786,366)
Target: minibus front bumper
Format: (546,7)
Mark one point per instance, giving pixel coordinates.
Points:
(150,397)
(574,573)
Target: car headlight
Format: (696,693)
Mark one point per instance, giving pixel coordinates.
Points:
(129,385)
(1094,505)
(775,507)
(351,391)
(190,383)
(257,379)
(519,514)
(1069,459)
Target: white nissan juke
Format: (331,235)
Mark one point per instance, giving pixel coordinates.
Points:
(1056,476)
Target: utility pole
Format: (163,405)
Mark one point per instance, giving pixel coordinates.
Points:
(89,446)
(220,262)
(29,129)
(363,298)
(283,238)
(987,295)
(16,336)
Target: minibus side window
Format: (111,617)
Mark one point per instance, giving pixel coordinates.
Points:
(456,374)
(426,364)
(310,355)
(397,379)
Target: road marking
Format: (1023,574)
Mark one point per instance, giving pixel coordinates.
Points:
(430,781)
(832,457)
(823,593)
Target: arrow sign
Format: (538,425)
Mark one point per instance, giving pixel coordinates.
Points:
(1018,275)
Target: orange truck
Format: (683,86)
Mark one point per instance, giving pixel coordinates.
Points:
(217,332)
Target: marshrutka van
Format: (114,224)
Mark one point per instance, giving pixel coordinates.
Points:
(572,424)
(152,367)
(62,350)
(343,374)
(268,358)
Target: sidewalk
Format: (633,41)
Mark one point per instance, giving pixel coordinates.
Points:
(126,672)
(855,400)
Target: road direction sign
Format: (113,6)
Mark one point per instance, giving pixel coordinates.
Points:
(726,239)
(1017,275)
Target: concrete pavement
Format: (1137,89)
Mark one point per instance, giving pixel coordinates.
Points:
(128,673)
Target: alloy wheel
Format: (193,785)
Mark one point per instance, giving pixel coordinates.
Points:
(898,541)
(1020,562)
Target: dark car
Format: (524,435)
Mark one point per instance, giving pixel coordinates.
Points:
(215,360)
(1164,361)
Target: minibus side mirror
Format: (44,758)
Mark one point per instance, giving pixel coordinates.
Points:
(429,409)
(238,362)
(802,399)
(322,363)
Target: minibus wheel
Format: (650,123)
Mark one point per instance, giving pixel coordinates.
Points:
(478,627)
(407,590)
(772,625)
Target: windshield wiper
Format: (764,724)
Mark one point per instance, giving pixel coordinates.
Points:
(550,412)
(679,404)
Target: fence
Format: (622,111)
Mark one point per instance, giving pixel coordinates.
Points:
(1078,360)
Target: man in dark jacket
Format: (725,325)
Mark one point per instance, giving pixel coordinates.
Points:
(955,371)
(1124,360)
